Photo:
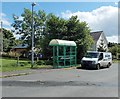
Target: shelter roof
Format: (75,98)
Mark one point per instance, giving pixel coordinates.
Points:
(57,42)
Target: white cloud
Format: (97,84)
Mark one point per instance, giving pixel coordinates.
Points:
(104,18)
(4,20)
(2,15)
(7,24)
(7,28)
(20,18)
(114,39)
(116,3)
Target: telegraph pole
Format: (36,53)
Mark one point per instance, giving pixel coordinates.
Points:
(32,48)
(1,38)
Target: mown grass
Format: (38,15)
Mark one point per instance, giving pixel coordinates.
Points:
(116,61)
(11,65)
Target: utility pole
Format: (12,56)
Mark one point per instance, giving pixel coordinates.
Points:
(1,44)
(32,48)
(1,38)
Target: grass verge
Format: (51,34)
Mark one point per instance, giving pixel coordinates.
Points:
(11,65)
(8,65)
(116,61)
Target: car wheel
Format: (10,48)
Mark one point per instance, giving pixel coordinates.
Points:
(82,66)
(108,65)
(98,66)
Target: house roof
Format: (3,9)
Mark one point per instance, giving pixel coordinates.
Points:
(21,46)
(56,42)
(96,35)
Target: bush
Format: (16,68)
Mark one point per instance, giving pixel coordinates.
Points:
(41,62)
(48,62)
(10,54)
(23,63)
(5,54)
(44,62)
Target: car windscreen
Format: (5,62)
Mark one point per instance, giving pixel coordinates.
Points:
(91,55)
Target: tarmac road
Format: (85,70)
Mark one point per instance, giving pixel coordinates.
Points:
(64,83)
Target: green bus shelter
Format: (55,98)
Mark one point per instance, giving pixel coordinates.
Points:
(64,53)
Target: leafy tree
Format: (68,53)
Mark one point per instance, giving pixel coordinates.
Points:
(114,49)
(8,40)
(55,29)
(118,48)
(1,41)
(18,41)
(24,27)
(80,33)
(102,47)
(71,29)
(48,27)
(113,44)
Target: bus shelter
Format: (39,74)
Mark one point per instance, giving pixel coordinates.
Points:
(64,53)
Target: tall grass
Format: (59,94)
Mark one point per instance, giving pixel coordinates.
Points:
(11,65)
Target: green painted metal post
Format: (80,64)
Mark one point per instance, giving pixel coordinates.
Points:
(70,55)
(57,56)
(64,56)
(68,59)
(75,55)
(54,56)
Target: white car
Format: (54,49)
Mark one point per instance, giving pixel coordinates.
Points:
(96,60)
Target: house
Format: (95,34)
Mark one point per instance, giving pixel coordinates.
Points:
(21,48)
(99,38)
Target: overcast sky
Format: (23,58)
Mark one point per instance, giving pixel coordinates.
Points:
(98,15)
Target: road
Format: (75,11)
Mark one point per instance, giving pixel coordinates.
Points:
(64,83)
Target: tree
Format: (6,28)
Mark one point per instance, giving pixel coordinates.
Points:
(102,47)
(71,29)
(48,27)
(114,49)
(18,41)
(80,33)
(8,40)
(24,27)
(55,29)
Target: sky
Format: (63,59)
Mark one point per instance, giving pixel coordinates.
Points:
(99,15)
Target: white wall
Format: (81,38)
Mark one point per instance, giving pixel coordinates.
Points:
(102,37)
(98,43)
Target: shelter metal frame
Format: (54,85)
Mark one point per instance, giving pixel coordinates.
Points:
(64,53)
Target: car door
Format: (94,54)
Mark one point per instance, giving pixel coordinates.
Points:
(101,59)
